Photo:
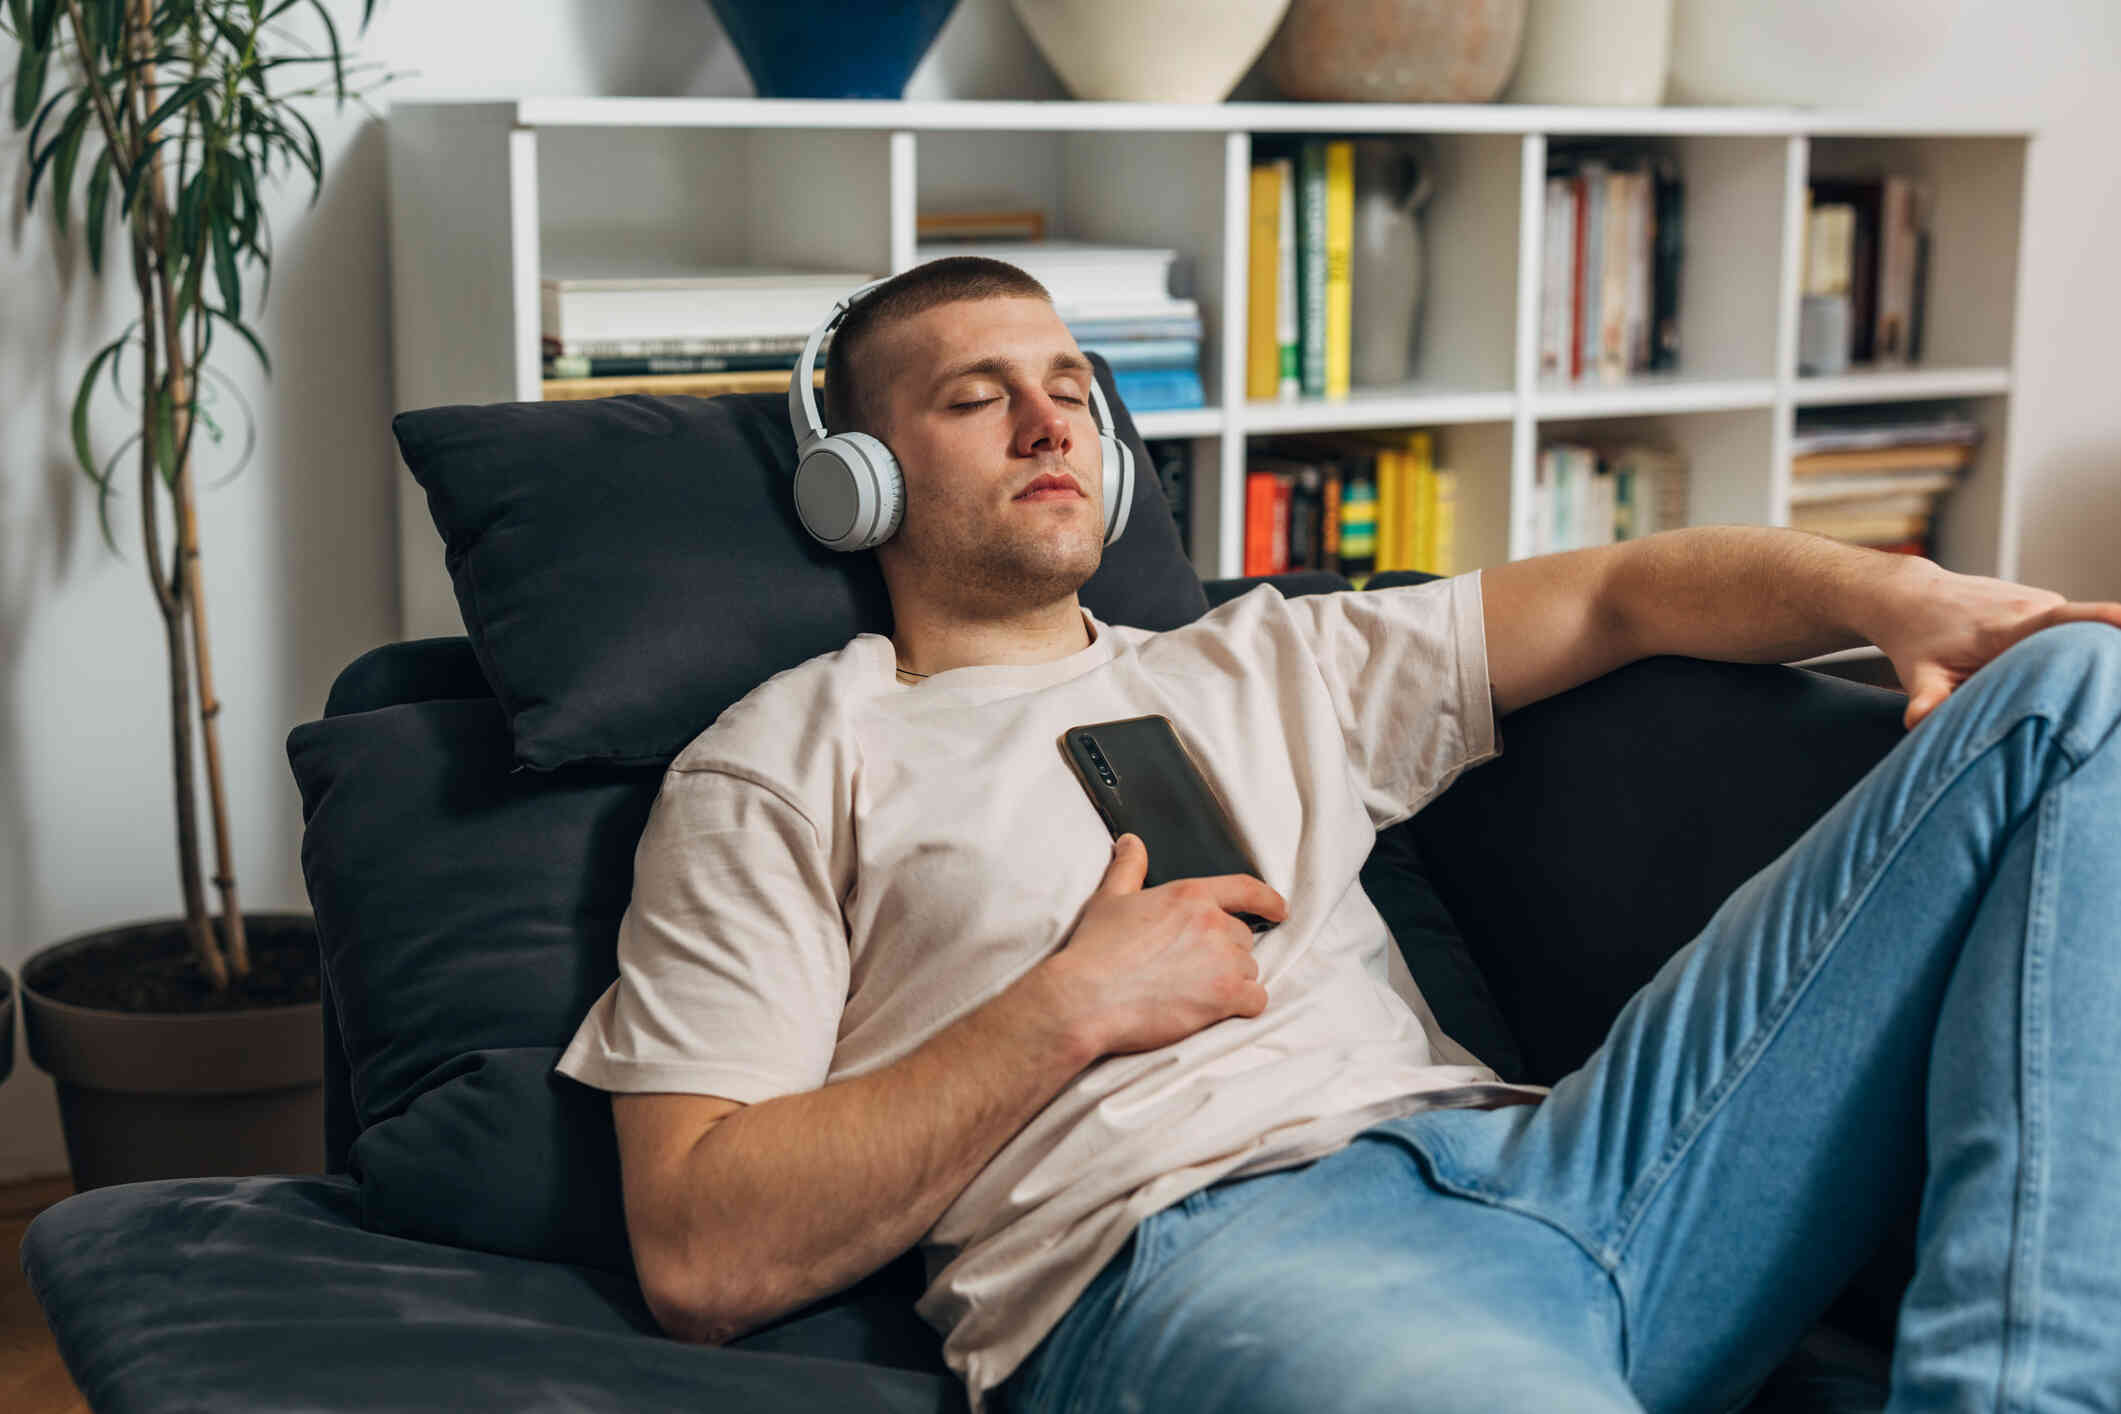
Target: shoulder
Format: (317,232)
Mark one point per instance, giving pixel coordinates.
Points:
(791,733)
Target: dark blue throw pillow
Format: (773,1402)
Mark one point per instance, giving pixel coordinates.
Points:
(628,567)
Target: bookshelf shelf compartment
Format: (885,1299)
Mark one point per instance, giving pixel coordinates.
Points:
(488,196)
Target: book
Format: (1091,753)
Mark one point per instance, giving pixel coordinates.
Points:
(633,366)
(1813,489)
(1917,457)
(1850,428)
(1899,231)
(1591,279)
(1165,354)
(790,345)
(1615,252)
(691,385)
(1668,246)
(1558,236)
(717,302)
(979,225)
(1311,265)
(1865,196)
(1340,265)
(1078,272)
(1262,276)
(1158,389)
(1830,230)
(1286,329)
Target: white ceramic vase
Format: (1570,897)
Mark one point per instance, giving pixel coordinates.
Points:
(1803,53)
(1151,51)
(1593,52)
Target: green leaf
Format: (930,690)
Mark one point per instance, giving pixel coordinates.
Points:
(225,274)
(331,33)
(69,136)
(63,168)
(29,79)
(36,129)
(99,184)
(139,166)
(103,490)
(165,425)
(81,400)
(42,15)
(187,91)
(248,337)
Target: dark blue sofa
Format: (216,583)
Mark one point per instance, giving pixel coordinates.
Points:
(267,1293)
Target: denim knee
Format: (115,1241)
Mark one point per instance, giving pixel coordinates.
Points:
(2076,667)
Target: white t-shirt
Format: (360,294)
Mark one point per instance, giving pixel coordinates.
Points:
(843,864)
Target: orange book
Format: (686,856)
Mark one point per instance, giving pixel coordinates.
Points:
(1259,522)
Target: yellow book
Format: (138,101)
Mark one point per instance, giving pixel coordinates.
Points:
(1446,523)
(1263,285)
(1340,257)
(1389,475)
(1421,508)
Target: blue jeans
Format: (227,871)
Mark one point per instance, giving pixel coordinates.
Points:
(1919,1002)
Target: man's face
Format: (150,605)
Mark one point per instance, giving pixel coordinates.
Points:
(971,439)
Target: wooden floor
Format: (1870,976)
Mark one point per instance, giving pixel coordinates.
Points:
(32,1379)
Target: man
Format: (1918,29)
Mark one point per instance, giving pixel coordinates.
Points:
(884,981)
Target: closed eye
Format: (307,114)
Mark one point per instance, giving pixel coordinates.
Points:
(984,401)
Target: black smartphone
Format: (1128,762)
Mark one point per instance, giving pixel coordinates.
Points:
(1144,782)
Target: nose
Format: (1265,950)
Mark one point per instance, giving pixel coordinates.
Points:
(1045,426)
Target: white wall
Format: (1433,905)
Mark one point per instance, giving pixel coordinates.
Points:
(298,549)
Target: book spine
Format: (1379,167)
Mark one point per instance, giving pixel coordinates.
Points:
(1259,522)
(1306,505)
(1329,517)
(1278,537)
(1288,321)
(1541,498)
(1896,271)
(1554,291)
(1446,522)
(1594,222)
(621,366)
(1641,255)
(1311,184)
(1158,390)
(1340,266)
(1670,249)
(1358,518)
(1263,272)
(1421,536)
(1579,251)
(1563,527)
(1613,299)
(1390,492)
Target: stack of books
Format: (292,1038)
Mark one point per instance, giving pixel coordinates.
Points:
(1584,496)
(1875,477)
(1357,503)
(1299,339)
(1609,290)
(1868,239)
(704,332)
(1116,301)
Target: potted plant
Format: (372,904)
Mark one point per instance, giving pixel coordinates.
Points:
(189,1045)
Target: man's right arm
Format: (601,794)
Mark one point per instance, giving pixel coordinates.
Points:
(782,1202)
(785,1201)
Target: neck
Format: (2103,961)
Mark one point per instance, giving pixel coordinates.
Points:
(927,647)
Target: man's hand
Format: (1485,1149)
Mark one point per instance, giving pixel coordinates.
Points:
(1939,628)
(1146,967)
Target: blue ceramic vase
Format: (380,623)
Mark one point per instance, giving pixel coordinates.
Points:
(832,48)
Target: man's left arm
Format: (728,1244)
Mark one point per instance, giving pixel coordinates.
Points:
(1750,594)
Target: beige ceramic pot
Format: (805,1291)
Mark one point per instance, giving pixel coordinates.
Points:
(1151,51)
(149,1095)
(1396,51)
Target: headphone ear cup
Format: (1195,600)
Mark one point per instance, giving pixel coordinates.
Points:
(849,493)
(1119,484)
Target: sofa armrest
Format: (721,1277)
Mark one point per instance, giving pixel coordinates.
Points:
(1619,817)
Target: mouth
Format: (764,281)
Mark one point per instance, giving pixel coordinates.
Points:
(1051,487)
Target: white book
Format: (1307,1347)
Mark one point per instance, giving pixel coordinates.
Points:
(706,303)
(1073,270)
(1557,291)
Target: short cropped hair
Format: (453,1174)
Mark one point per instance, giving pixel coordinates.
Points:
(856,401)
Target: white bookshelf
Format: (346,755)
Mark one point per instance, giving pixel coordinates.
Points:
(484,193)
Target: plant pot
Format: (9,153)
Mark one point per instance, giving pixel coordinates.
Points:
(1396,51)
(831,48)
(151,1095)
(7,1023)
(1150,51)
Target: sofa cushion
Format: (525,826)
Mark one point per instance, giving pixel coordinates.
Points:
(266,1293)
(628,567)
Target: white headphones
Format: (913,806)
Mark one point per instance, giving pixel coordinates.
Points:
(848,488)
